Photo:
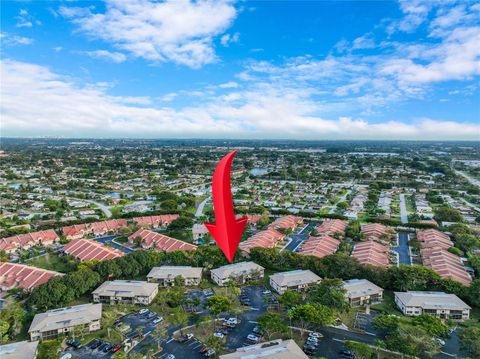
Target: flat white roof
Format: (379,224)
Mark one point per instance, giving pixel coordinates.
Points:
(126,288)
(431,300)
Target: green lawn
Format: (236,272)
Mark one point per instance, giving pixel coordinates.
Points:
(52,261)
(388,305)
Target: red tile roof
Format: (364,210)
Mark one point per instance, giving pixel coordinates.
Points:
(332,226)
(14,275)
(86,250)
(376,231)
(155,221)
(95,228)
(319,246)
(286,222)
(372,253)
(446,264)
(160,242)
(434,238)
(25,241)
(267,239)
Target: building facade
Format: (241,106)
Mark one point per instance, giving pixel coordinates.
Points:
(125,291)
(57,322)
(296,280)
(165,275)
(361,291)
(439,304)
(237,272)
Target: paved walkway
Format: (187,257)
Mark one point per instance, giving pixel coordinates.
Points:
(403,209)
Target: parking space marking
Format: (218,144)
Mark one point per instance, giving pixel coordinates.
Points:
(170,340)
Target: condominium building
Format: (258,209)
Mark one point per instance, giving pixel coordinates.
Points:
(125,291)
(60,321)
(165,275)
(237,272)
(275,349)
(297,280)
(439,304)
(362,291)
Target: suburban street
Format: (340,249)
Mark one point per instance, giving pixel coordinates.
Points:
(403,209)
(201,206)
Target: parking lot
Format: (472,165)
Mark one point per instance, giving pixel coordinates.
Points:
(93,349)
(198,298)
(135,324)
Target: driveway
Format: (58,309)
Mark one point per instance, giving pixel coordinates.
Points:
(201,206)
(297,239)
(403,249)
(110,241)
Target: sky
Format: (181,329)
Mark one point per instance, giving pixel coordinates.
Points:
(313,70)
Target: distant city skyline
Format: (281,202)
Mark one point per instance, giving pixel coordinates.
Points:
(349,70)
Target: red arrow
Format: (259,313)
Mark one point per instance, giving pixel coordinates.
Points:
(227,230)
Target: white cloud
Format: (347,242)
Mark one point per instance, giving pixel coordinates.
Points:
(178,31)
(36,100)
(23,19)
(13,40)
(228,85)
(116,57)
(228,39)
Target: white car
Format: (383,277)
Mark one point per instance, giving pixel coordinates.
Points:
(219,335)
(315,335)
(157,320)
(232,321)
(253,337)
(440,341)
(170,356)
(66,356)
(143,311)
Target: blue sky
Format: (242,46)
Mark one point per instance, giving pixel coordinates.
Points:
(212,69)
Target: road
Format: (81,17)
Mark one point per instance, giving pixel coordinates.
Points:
(104,208)
(201,206)
(403,249)
(299,238)
(403,209)
(471,205)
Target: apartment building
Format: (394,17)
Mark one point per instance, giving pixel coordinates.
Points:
(237,272)
(160,242)
(296,280)
(439,304)
(125,291)
(13,275)
(165,275)
(266,239)
(362,291)
(89,249)
(319,246)
(56,322)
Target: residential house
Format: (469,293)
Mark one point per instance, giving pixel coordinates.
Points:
(275,349)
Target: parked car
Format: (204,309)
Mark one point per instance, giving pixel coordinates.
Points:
(253,337)
(218,335)
(345,354)
(143,311)
(257,330)
(73,343)
(94,344)
(157,320)
(66,356)
(209,353)
(170,356)
(116,348)
(315,335)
